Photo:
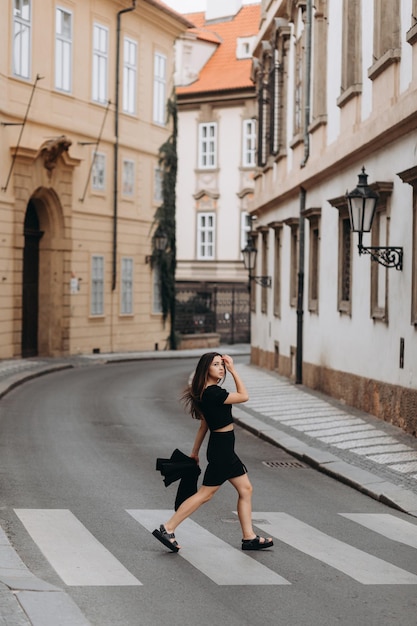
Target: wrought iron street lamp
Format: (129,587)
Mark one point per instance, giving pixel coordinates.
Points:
(249,260)
(160,239)
(362,203)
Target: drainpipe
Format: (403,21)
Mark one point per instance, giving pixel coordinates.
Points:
(116,143)
(300,295)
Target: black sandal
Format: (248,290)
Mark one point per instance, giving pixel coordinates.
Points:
(168,539)
(256,543)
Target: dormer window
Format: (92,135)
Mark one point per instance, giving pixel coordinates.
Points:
(244,47)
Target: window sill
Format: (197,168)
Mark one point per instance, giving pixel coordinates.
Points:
(411,35)
(321,120)
(348,94)
(296,141)
(388,58)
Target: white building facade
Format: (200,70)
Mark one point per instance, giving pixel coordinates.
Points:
(216,166)
(336,84)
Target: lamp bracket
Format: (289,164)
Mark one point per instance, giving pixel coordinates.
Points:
(263,281)
(388,256)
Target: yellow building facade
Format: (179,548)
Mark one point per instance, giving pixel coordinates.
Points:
(83,92)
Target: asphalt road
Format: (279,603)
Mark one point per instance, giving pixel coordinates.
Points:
(79,493)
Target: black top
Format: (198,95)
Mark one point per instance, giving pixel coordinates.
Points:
(216,413)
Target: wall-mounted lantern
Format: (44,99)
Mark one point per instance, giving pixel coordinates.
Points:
(362,203)
(249,260)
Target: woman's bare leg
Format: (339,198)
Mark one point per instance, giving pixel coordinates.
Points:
(244,488)
(189,506)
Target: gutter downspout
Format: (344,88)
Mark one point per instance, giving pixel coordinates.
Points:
(116,143)
(303,194)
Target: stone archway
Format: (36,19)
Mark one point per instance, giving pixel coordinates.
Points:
(42,218)
(43,292)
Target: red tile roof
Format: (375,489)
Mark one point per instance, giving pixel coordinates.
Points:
(224,71)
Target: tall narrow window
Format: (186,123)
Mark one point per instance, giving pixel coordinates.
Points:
(277,271)
(21,37)
(205,236)
(126,303)
(245,228)
(128,178)
(345,263)
(264,270)
(98,178)
(313,216)
(379,274)
(298,87)
(410,176)
(387,35)
(63,50)
(156,291)
(249,143)
(351,50)
(207,144)
(129,75)
(97,285)
(159,88)
(100,63)
(294,261)
(158,185)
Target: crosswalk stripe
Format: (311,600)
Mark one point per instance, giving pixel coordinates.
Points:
(215,558)
(76,555)
(357,564)
(387,525)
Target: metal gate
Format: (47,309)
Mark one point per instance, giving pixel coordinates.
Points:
(213,308)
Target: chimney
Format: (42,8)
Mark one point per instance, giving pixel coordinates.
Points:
(218,9)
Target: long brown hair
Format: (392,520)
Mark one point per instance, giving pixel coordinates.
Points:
(192,395)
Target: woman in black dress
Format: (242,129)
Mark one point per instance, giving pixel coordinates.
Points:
(212,405)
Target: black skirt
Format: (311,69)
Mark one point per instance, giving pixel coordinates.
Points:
(223,462)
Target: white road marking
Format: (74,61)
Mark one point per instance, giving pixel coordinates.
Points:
(387,525)
(363,567)
(75,554)
(215,558)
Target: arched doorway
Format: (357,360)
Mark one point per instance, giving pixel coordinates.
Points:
(44,328)
(30,282)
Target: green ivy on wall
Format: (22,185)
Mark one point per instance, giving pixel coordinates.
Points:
(165,260)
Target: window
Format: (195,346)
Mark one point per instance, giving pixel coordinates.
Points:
(410,177)
(98,178)
(21,38)
(245,228)
(277,270)
(126,304)
(159,88)
(63,50)
(97,285)
(128,178)
(379,274)
(313,216)
(299,87)
(345,263)
(158,185)
(319,84)
(263,88)
(351,51)
(387,35)
(249,143)
(100,63)
(293,223)
(205,236)
(264,271)
(207,144)
(157,296)
(129,76)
